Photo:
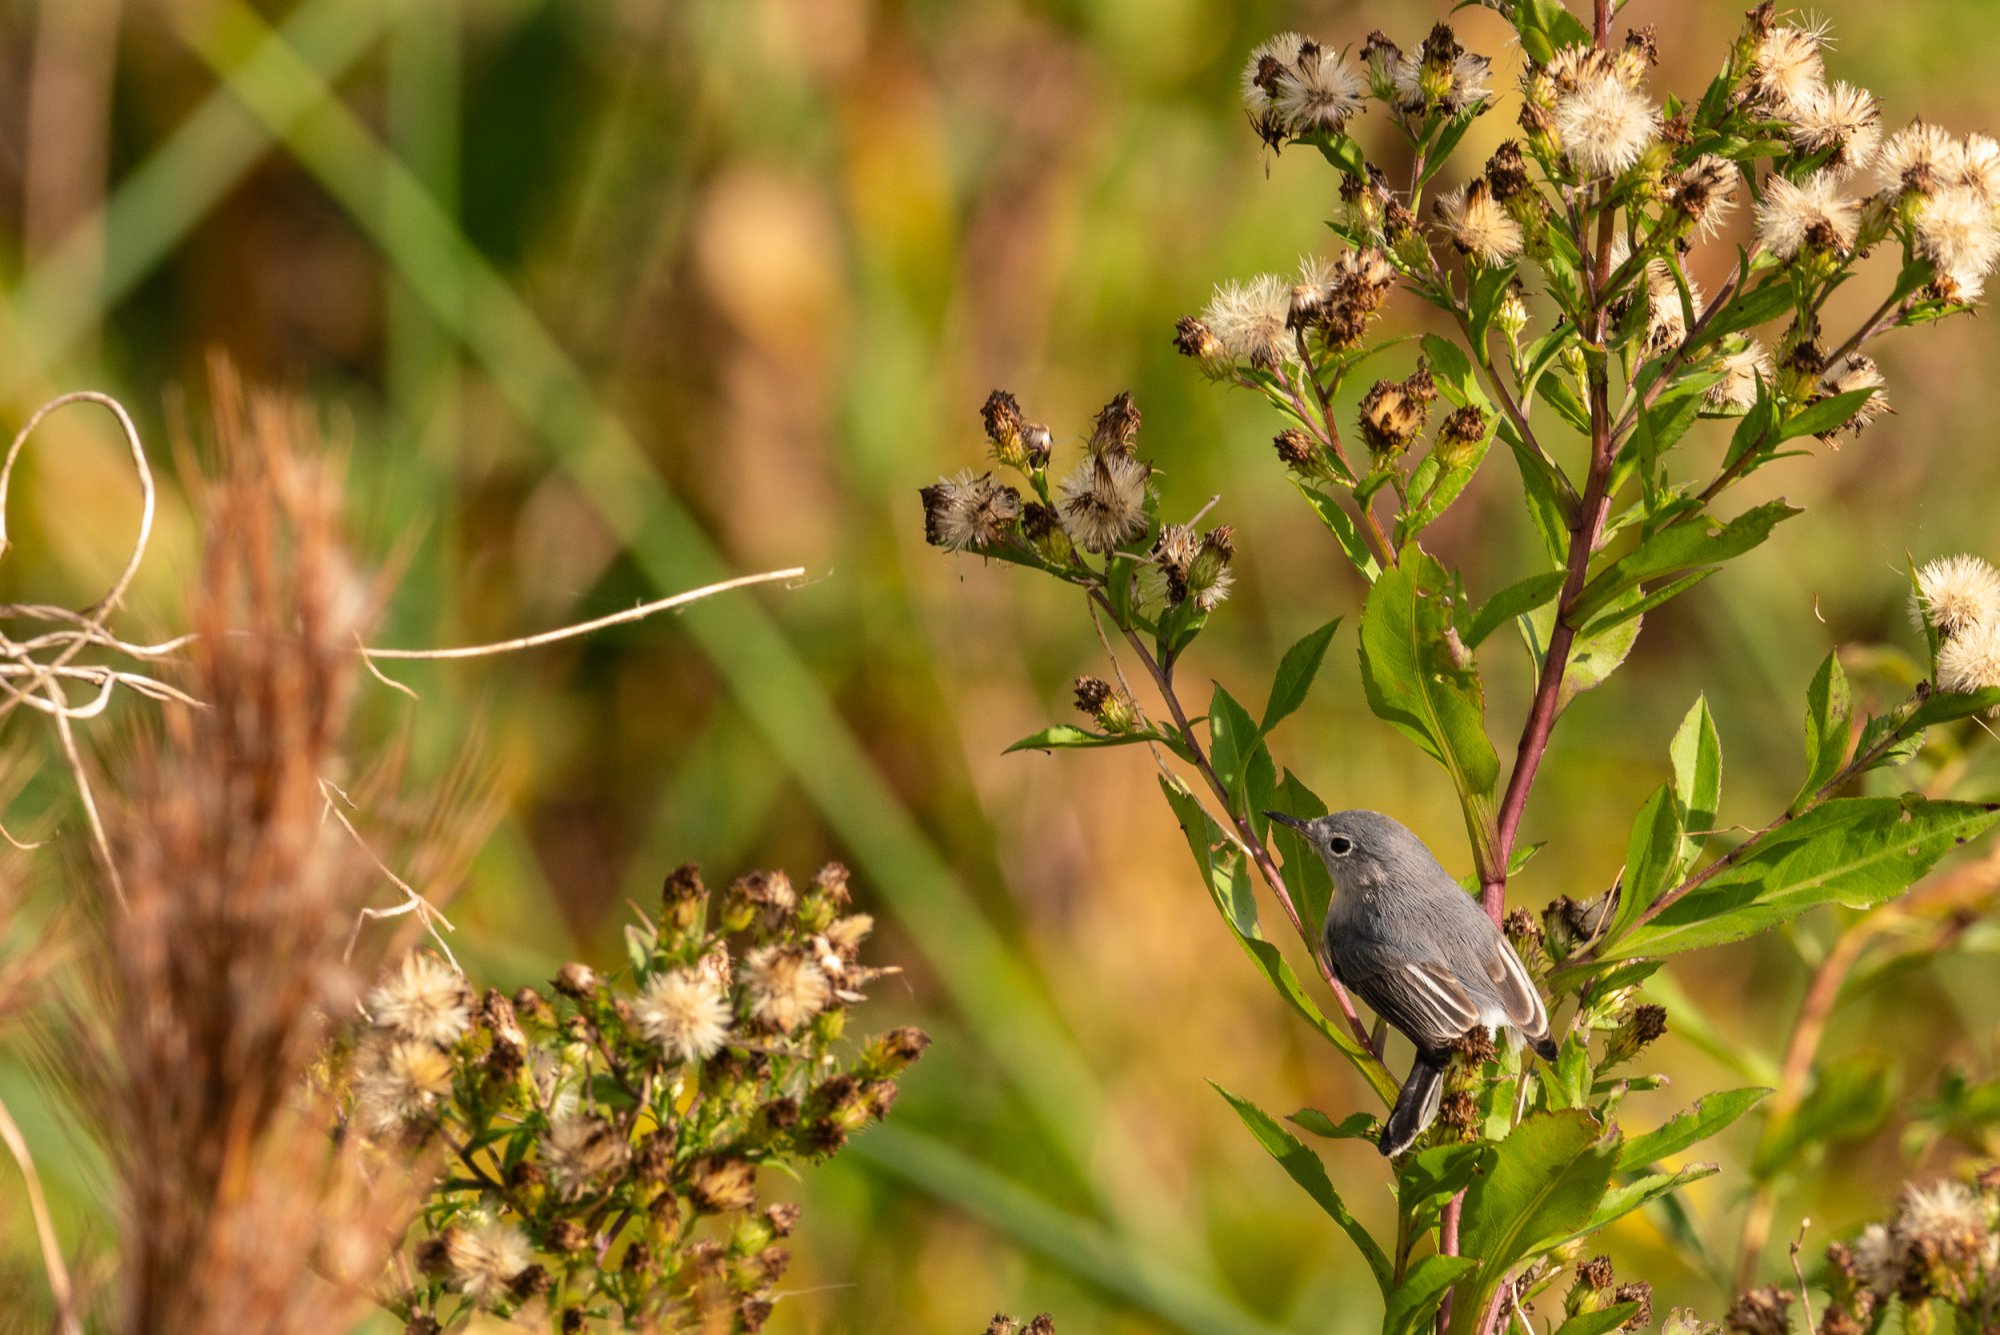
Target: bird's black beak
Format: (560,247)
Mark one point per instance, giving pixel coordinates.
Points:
(1283,819)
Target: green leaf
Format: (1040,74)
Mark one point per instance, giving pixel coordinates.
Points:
(1543,489)
(1355,1126)
(1453,373)
(1950,706)
(1447,141)
(1697,757)
(1594,655)
(1700,540)
(1623,1200)
(1850,1099)
(1516,599)
(1829,727)
(1624,610)
(1546,27)
(1422,1289)
(1561,396)
(1435,1175)
(1545,1180)
(1489,285)
(1599,1322)
(1295,675)
(1747,310)
(1827,415)
(1305,870)
(1652,858)
(1345,531)
(1414,679)
(1341,151)
(1690,1127)
(1305,1169)
(1228,886)
(1857,851)
(1232,738)
(1062,737)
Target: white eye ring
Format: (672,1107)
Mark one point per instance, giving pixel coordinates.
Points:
(1340,845)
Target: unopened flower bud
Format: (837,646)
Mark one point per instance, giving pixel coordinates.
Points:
(576,981)
(1510,316)
(1300,453)
(1194,339)
(1116,425)
(1459,437)
(1095,697)
(1392,412)
(1001,415)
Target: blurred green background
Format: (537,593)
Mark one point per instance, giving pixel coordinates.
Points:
(609,298)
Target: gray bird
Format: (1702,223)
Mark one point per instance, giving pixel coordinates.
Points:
(1402,935)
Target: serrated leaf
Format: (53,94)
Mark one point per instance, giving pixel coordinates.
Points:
(1414,680)
(1829,727)
(1422,1289)
(1305,1168)
(1544,1181)
(1295,675)
(1857,851)
(1709,1116)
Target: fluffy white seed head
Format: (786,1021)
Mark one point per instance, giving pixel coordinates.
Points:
(1478,224)
(1322,91)
(1978,167)
(1605,124)
(486,1258)
(1813,211)
(1956,593)
(423,998)
(1786,67)
(1919,154)
(1970,660)
(1249,320)
(1838,116)
(1267,59)
(786,987)
(1955,233)
(684,1013)
(1103,502)
(1741,371)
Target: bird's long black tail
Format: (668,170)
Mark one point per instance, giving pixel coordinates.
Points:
(1417,1104)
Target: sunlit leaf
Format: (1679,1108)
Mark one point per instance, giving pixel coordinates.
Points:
(1305,1168)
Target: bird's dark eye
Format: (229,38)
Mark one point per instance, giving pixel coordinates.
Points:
(1340,845)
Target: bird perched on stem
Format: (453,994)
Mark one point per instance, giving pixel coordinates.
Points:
(1402,935)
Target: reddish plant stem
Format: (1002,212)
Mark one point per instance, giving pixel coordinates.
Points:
(1260,855)
(1585,530)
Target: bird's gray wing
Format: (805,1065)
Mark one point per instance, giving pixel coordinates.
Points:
(1421,1000)
(1514,991)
